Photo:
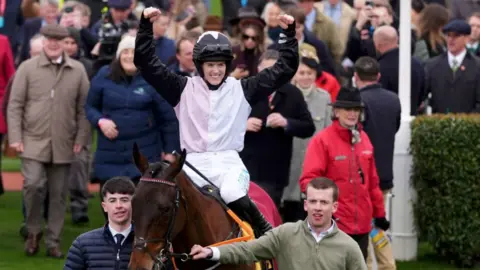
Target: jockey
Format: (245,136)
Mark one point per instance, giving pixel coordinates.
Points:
(213,108)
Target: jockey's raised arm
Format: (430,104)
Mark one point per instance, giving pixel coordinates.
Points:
(167,83)
(171,85)
(270,79)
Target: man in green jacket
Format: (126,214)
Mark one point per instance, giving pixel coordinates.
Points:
(315,243)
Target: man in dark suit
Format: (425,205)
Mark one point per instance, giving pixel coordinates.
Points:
(381,123)
(473,44)
(49,15)
(183,64)
(385,39)
(271,126)
(453,78)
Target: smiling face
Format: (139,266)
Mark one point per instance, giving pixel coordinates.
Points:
(53,47)
(126,60)
(118,208)
(214,72)
(305,76)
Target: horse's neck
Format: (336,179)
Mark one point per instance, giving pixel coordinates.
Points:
(207,222)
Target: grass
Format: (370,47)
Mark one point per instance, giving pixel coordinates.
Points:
(11,245)
(10,164)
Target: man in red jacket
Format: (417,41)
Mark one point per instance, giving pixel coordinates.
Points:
(343,153)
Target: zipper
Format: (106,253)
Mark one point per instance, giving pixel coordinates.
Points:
(355,190)
(117,262)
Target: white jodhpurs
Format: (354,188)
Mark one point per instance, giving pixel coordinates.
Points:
(224,169)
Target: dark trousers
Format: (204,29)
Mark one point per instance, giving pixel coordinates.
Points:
(362,240)
(292,211)
(274,190)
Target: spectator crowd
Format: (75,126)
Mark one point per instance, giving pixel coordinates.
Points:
(68,72)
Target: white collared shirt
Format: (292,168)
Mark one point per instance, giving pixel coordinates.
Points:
(473,45)
(319,237)
(459,58)
(58,60)
(125,233)
(310,19)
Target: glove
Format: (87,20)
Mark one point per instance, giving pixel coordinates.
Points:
(382,223)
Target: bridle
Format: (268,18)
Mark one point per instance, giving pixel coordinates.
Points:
(140,243)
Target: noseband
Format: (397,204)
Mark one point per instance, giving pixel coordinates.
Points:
(140,243)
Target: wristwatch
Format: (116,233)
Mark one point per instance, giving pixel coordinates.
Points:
(211,254)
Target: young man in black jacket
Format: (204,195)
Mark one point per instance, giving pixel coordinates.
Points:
(93,249)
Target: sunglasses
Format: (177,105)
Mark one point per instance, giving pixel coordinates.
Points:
(246,37)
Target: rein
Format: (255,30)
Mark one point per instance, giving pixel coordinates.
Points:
(141,243)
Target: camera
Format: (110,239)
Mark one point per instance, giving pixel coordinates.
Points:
(110,36)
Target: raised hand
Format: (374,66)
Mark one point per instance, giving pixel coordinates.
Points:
(285,20)
(151,13)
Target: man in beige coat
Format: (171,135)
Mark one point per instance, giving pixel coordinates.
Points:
(47,127)
(323,27)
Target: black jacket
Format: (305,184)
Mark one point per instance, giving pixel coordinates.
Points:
(382,121)
(268,152)
(453,93)
(255,87)
(389,66)
(96,250)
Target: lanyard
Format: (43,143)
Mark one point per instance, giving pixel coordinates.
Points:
(3,3)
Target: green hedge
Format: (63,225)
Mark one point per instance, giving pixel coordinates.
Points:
(446,175)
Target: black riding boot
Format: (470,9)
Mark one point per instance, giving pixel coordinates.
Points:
(248,211)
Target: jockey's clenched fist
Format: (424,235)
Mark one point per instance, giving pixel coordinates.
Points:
(285,20)
(151,13)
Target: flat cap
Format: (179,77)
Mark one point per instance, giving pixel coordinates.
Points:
(54,31)
(458,26)
(119,4)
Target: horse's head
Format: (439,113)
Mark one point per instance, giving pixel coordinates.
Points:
(157,215)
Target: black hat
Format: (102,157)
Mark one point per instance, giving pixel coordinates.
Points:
(348,98)
(458,26)
(248,14)
(54,31)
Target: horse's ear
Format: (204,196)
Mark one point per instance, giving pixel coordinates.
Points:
(176,167)
(183,157)
(140,161)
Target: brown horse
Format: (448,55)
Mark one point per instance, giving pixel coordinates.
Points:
(169,211)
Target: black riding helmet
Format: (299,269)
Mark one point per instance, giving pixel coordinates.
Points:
(212,46)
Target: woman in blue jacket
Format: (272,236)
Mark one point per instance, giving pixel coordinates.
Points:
(125,109)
